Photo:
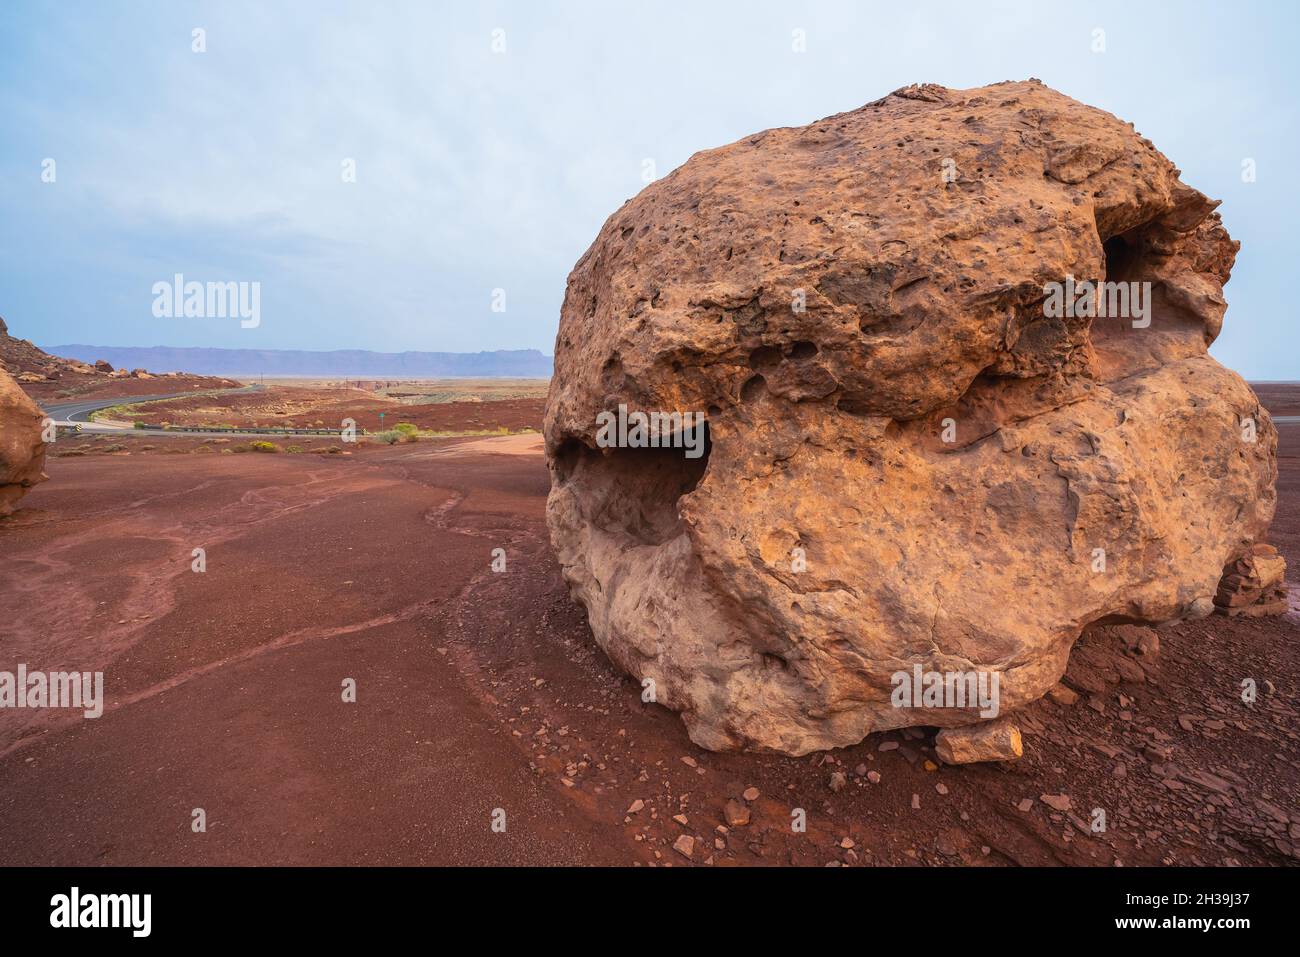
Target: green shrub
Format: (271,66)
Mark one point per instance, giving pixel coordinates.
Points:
(409,430)
(139,425)
(261,446)
(391,437)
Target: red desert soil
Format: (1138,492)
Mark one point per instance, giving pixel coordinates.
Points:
(278,405)
(479,690)
(1280,398)
(71,388)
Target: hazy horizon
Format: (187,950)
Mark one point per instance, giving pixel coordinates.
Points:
(485,162)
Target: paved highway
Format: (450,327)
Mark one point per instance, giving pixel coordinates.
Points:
(69,413)
(79,413)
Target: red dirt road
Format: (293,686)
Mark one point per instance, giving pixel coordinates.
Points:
(479,690)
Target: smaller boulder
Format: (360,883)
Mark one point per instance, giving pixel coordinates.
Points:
(1254,584)
(991,741)
(22,449)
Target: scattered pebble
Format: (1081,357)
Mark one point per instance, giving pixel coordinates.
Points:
(735,814)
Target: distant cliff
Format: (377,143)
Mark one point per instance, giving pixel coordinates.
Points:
(344,363)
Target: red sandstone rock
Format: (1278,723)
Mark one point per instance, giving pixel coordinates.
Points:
(22,450)
(1254,584)
(913,459)
(989,741)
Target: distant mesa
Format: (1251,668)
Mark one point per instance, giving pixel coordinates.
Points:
(344,363)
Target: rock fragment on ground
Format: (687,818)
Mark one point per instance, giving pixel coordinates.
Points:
(735,813)
(990,741)
(1254,584)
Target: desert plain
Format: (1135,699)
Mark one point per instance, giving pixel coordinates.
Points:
(481,698)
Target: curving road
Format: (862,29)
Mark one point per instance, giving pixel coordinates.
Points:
(71,413)
(79,413)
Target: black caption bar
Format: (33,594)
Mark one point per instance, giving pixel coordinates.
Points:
(135,907)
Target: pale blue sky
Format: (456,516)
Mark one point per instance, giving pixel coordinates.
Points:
(479,170)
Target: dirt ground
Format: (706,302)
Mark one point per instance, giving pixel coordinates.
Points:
(1280,398)
(303,406)
(482,691)
(71,387)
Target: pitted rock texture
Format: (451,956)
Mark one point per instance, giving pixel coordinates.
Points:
(832,296)
(22,450)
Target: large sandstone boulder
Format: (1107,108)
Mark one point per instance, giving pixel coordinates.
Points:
(913,460)
(22,450)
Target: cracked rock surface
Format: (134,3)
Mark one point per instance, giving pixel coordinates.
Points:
(909,462)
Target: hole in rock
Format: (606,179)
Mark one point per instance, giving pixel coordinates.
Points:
(1120,256)
(764,357)
(566,458)
(753,388)
(853,407)
(803,350)
(632,492)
